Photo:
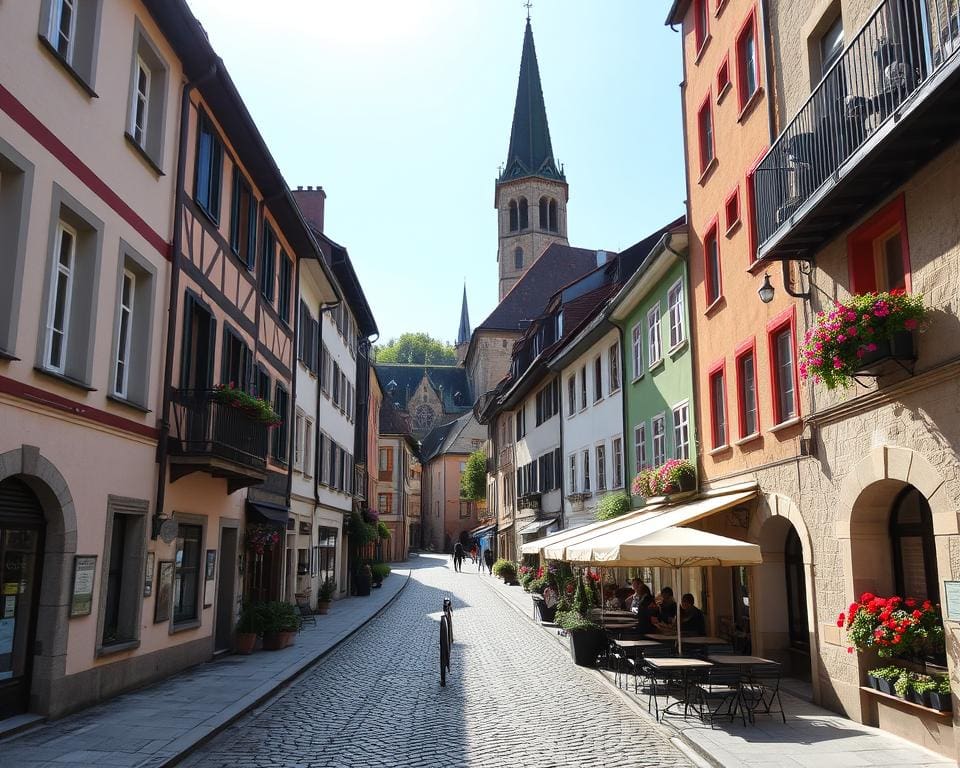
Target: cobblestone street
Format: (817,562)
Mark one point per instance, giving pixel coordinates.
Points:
(513,697)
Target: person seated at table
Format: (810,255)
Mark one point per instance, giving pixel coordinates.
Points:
(610,600)
(641,597)
(692,621)
(667,612)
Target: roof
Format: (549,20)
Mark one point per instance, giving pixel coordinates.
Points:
(463,335)
(678,9)
(446,380)
(530,152)
(392,421)
(439,440)
(349,283)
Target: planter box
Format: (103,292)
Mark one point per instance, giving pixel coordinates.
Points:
(885,686)
(542,612)
(942,702)
(900,347)
(585,644)
(873,682)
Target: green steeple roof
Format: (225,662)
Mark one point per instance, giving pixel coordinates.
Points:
(530,152)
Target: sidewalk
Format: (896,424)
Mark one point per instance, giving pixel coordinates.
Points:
(159,724)
(812,736)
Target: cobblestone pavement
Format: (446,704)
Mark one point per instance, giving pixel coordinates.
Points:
(513,697)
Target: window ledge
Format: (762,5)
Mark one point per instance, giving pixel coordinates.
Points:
(129,403)
(676,348)
(154,166)
(77,77)
(183,626)
(9,356)
(112,648)
(636,379)
(747,439)
(720,6)
(613,391)
(708,171)
(732,228)
(785,424)
(598,400)
(64,378)
(718,450)
(713,308)
(751,103)
(724,91)
(658,364)
(703,47)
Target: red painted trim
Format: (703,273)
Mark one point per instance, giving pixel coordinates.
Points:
(748,189)
(860,264)
(718,369)
(705,161)
(734,195)
(722,85)
(786,318)
(700,33)
(45,137)
(749,22)
(44,397)
(713,230)
(748,347)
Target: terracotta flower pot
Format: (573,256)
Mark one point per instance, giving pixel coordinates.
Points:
(245,641)
(323,606)
(272,641)
(287,638)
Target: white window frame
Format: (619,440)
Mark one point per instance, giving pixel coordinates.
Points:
(613,366)
(676,312)
(572,476)
(616,448)
(600,451)
(640,445)
(586,470)
(140,97)
(659,439)
(597,367)
(298,441)
(654,341)
(583,387)
(681,430)
(65,272)
(637,340)
(572,396)
(307,446)
(124,330)
(56,16)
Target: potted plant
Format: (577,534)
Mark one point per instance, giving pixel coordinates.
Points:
(940,696)
(920,689)
(677,475)
(270,623)
(325,595)
(248,627)
(379,572)
(251,406)
(586,638)
(646,484)
(883,678)
(612,505)
(506,570)
(262,538)
(289,622)
(857,333)
(894,626)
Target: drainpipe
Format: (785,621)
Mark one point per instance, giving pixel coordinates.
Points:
(173,299)
(768,69)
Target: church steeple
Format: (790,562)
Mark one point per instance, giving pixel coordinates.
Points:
(530,152)
(463,335)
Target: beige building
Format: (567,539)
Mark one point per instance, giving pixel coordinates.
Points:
(398,497)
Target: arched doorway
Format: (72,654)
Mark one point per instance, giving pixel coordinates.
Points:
(21,551)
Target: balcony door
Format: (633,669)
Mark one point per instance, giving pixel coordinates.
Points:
(199,345)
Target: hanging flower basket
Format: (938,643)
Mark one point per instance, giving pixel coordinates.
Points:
(859,332)
(253,407)
(262,538)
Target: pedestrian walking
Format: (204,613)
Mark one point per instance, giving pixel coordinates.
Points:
(488,559)
(474,554)
(457,557)
(479,562)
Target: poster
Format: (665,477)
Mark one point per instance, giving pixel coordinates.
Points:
(211,564)
(148,575)
(9,607)
(951,591)
(161,608)
(84,572)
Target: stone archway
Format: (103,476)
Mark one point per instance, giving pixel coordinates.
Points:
(776,516)
(60,544)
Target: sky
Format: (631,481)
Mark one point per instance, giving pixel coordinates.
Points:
(401,110)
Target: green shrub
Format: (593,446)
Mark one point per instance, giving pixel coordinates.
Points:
(380,571)
(526,580)
(250,620)
(505,569)
(571,621)
(904,684)
(613,505)
(580,604)
(889,672)
(327,588)
(924,684)
(943,685)
(278,616)
(382,531)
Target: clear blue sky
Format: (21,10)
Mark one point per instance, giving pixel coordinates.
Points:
(401,110)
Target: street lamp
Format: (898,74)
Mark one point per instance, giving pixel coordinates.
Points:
(765,291)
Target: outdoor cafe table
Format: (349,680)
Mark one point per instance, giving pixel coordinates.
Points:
(729,660)
(681,665)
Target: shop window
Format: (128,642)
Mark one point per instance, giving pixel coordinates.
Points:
(123,568)
(186,590)
(878,252)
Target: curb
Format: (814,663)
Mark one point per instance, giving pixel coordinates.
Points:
(270,690)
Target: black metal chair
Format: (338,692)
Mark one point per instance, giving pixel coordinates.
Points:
(654,677)
(723,685)
(306,615)
(761,690)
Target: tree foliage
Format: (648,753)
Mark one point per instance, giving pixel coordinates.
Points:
(473,483)
(417,349)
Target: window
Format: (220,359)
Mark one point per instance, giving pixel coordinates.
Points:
(61,292)
(125,545)
(748,63)
(323,458)
(681,431)
(514,216)
(831,45)
(335,389)
(554,219)
(209,169)
(914,547)
(601,451)
(518,258)
(186,580)
(324,372)
(659,440)
(571,395)
(586,471)
(235,366)
(747,390)
(243,220)
(148,91)
(548,401)
(16,183)
(131,347)
(718,408)
(878,252)
(298,441)
(637,339)
(286,278)
(614,361)
(521,418)
(332,477)
(676,311)
(618,462)
(705,134)
(654,353)
(267,262)
(572,474)
(781,345)
(70,28)
(524,218)
(262,389)
(731,210)
(386,463)
(701,23)
(711,257)
(308,447)
(583,387)
(385,503)
(640,446)
(723,78)
(597,379)
(124,332)
(281,405)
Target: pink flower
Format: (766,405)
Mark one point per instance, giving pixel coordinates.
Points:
(871,347)
(860,352)
(818,346)
(837,363)
(841,338)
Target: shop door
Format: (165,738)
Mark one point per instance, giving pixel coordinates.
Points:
(21,545)
(226,589)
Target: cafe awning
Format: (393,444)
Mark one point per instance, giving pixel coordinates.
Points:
(552,547)
(536,526)
(265,512)
(666,547)
(483,530)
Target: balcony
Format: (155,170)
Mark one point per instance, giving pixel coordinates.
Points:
(529,501)
(887,107)
(212,437)
(505,458)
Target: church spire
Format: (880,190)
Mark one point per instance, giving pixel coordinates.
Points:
(530,152)
(463,335)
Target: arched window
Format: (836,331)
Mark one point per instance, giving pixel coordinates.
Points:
(524,221)
(514,221)
(914,551)
(544,213)
(518,258)
(553,216)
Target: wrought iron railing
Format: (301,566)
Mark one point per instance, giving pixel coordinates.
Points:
(203,426)
(901,46)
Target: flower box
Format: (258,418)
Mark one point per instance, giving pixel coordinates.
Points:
(942,702)
(898,347)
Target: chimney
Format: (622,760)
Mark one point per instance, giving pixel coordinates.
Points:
(601,258)
(310,200)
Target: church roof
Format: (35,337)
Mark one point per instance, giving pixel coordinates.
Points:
(530,152)
(400,381)
(463,335)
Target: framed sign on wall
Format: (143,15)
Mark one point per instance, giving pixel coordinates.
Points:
(161,608)
(148,574)
(84,576)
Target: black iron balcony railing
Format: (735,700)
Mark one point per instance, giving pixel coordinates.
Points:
(204,427)
(904,45)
